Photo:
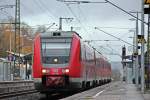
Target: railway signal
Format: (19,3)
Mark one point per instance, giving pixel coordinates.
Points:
(147,9)
(147,1)
(123,52)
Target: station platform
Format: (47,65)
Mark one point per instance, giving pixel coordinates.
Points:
(112,91)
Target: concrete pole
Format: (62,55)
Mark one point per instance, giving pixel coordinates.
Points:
(137,59)
(134,59)
(148,47)
(142,49)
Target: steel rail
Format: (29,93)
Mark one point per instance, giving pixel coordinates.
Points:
(17,93)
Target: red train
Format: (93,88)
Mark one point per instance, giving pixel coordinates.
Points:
(63,61)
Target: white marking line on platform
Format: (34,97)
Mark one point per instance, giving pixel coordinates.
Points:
(98,94)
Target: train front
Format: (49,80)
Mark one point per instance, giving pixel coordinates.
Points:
(51,61)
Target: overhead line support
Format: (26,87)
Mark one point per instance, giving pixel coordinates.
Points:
(17,31)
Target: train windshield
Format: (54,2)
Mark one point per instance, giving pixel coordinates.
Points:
(55,52)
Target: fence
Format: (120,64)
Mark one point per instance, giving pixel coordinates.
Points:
(8,73)
(6,70)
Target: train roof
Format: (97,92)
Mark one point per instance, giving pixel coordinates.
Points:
(59,34)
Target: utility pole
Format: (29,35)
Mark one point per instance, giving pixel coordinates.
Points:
(17,32)
(142,48)
(146,10)
(134,58)
(148,51)
(60,22)
(136,50)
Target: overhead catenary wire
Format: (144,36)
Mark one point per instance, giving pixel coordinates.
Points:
(76,18)
(79,2)
(106,1)
(111,53)
(67,2)
(96,40)
(122,28)
(44,9)
(99,51)
(114,36)
(101,40)
(26,8)
(112,48)
(79,21)
(85,18)
(47,9)
(125,11)
(81,12)
(7,6)
(70,9)
(72,12)
(44,6)
(2,7)
(7,14)
(43,25)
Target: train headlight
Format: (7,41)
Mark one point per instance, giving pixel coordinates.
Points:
(67,70)
(55,60)
(44,71)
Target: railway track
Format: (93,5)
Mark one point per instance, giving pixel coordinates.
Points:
(17,93)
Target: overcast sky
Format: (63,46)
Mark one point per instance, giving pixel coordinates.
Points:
(86,17)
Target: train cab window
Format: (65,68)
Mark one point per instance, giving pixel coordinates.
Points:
(55,52)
